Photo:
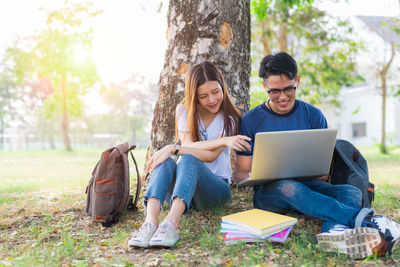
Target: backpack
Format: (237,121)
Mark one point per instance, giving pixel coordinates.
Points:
(349,167)
(108,188)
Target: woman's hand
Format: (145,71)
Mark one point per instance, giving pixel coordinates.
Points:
(238,142)
(159,157)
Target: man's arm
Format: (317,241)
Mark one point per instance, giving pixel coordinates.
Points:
(243,167)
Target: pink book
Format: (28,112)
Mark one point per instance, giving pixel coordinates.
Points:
(235,237)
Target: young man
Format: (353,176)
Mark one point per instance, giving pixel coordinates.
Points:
(346,227)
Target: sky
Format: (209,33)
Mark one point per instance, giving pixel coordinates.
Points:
(130,36)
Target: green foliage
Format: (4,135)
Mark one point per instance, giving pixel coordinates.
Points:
(322,46)
(58,57)
(262,8)
(257,97)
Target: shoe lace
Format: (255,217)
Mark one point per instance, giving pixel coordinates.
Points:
(165,230)
(385,230)
(143,231)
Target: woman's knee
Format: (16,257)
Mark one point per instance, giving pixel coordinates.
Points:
(168,164)
(188,158)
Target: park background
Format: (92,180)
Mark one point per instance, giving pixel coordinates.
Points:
(115,62)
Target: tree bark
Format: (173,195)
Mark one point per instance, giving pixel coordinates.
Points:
(214,30)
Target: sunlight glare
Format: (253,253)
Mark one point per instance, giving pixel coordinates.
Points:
(80,54)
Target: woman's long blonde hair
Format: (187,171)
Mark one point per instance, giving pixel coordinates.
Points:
(197,76)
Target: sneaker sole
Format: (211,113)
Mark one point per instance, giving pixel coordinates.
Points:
(356,243)
(163,243)
(138,244)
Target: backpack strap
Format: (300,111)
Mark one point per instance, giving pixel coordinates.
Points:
(132,205)
(330,175)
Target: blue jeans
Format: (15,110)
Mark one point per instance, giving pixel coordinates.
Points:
(333,204)
(190,180)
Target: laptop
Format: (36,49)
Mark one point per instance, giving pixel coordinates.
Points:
(299,154)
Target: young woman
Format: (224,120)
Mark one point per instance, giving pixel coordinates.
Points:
(207,123)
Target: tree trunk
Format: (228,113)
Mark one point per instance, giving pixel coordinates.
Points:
(65,120)
(383,76)
(217,31)
(265,37)
(283,37)
(383,130)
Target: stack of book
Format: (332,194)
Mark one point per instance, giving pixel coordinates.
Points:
(256,226)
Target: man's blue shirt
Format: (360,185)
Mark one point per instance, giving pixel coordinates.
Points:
(303,116)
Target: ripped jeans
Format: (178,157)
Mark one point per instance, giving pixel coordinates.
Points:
(333,204)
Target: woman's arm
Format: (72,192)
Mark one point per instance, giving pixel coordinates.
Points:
(237,142)
(163,154)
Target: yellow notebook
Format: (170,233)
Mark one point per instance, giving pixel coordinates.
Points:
(259,222)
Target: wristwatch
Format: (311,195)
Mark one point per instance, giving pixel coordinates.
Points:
(177,146)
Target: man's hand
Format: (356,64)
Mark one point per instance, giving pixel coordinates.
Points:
(238,142)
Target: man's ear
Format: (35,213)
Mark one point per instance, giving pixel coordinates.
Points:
(263,83)
(298,80)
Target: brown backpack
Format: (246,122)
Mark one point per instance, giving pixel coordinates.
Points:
(108,188)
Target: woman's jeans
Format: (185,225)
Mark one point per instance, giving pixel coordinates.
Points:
(190,180)
(333,204)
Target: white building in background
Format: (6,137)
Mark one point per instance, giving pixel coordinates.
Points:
(359,119)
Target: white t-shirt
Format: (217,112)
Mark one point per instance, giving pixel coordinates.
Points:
(221,166)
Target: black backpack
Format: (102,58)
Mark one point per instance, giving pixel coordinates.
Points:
(350,167)
(108,189)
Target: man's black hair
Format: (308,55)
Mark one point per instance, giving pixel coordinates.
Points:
(278,64)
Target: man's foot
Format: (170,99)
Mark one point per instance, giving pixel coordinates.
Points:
(141,237)
(389,229)
(356,243)
(166,235)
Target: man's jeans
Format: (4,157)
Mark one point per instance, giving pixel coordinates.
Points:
(190,180)
(333,204)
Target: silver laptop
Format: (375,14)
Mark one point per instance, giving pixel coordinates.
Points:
(300,154)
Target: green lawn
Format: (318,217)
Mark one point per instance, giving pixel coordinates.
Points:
(43,220)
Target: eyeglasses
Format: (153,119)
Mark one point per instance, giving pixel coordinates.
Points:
(275,93)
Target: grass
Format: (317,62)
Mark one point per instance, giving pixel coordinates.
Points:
(43,220)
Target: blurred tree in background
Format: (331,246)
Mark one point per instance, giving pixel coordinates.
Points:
(320,43)
(57,59)
(131,104)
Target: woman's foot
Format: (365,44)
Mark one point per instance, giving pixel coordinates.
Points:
(165,236)
(141,237)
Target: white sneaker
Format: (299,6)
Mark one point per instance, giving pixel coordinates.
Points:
(356,243)
(141,237)
(165,236)
(389,229)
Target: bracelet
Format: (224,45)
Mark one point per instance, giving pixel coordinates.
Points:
(177,146)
